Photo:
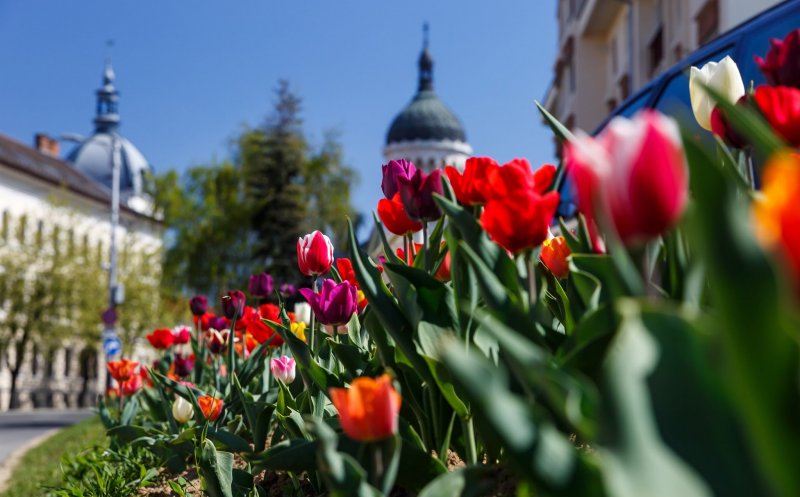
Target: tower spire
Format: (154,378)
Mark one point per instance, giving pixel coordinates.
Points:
(425,62)
(107,118)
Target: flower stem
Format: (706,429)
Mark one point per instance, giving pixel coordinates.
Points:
(472,453)
(407,251)
(531,277)
(425,260)
(312,336)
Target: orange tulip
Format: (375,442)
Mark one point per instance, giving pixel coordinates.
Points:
(369,409)
(554,256)
(777,214)
(210,406)
(122,370)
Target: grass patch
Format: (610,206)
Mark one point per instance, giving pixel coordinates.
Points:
(41,466)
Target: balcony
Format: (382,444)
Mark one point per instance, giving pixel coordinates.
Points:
(597,16)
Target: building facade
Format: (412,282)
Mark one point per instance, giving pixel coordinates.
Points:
(50,206)
(608,49)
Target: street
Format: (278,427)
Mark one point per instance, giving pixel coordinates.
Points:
(19,427)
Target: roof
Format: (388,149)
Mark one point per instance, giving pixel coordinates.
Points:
(31,162)
(425,118)
(91,157)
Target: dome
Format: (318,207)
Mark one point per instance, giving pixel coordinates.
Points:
(426,118)
(93,158)
(93,155)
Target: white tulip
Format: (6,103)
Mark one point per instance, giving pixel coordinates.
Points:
(302,312)
(182,410)
(724,77)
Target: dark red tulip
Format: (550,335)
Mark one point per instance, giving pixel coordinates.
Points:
(417,192)
(393,170)
(233,304)
(198,305)
(781,66)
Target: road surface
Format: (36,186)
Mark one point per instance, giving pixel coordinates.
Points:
(19,427)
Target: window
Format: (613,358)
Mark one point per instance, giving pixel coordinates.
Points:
(707,22)
(614,56)
(571,76)
(67,361)
(625,86)
(656,50)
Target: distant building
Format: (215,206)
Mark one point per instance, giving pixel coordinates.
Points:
(426,132)
(42,195)
(608,49)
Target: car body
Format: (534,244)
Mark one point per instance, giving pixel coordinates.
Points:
(669,92)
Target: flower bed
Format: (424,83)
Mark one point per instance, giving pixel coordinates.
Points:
(650,349)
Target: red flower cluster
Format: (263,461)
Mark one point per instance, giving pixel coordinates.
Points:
(517,207)
(161,338)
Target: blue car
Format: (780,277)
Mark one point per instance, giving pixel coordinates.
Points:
(669,92)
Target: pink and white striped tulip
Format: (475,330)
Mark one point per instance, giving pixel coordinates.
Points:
(314,254)
(283,369)
(634,174)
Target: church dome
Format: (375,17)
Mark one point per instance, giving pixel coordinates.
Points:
(426,117)
(92,156)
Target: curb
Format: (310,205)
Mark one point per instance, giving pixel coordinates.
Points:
(10,463)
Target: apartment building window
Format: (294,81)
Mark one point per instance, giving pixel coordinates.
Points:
(611,104)
(707,22)
(656,50)
(614,56)
(571,76)
(625,86)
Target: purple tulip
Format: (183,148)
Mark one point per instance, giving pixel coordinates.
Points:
(417,194)
(233,304)
(335,304)
(260,285)
(218,323)
(392,171)
(198,305)
(183,365)
(287,290)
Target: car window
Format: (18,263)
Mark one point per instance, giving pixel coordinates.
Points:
(635,105)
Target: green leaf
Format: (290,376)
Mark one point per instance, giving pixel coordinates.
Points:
(295,455)
(216,468)
(635,460)
(310,369)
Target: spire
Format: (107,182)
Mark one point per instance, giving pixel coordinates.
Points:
(425,63)
(107,118)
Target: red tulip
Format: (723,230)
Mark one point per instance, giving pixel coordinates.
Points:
(122,370)
(782,64)
(721,127)
(131,385)
(781,107)
(346,271)
(635,173)
(515,176)
(161,338)
(211,407)
(554,256)
(314,254)
(369,409)
(182,335)
(470,186)
(252,323)
(393,215)
(519,221)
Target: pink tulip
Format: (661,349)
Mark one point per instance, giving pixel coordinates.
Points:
(314,254)
(283,369)
(634,173)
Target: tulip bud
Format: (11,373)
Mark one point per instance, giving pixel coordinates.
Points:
(417,191)
(182,334)
(314,254)
(723,77)
(393,170)
(260,285)
(335,304)
(302,312)
(283,369)
(554,256)
(182,410)
(211,407)
(635,173)
(233,304)
(369,410)
(782,64)
(198,305)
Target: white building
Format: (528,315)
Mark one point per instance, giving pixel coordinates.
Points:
(71,198)
(608,49)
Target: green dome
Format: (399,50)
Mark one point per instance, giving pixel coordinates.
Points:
(425,118)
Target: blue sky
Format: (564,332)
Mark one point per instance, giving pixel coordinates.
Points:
(192,74)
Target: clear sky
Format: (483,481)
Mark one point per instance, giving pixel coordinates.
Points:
(192,73)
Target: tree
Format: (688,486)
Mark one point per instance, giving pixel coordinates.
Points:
(272,161)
